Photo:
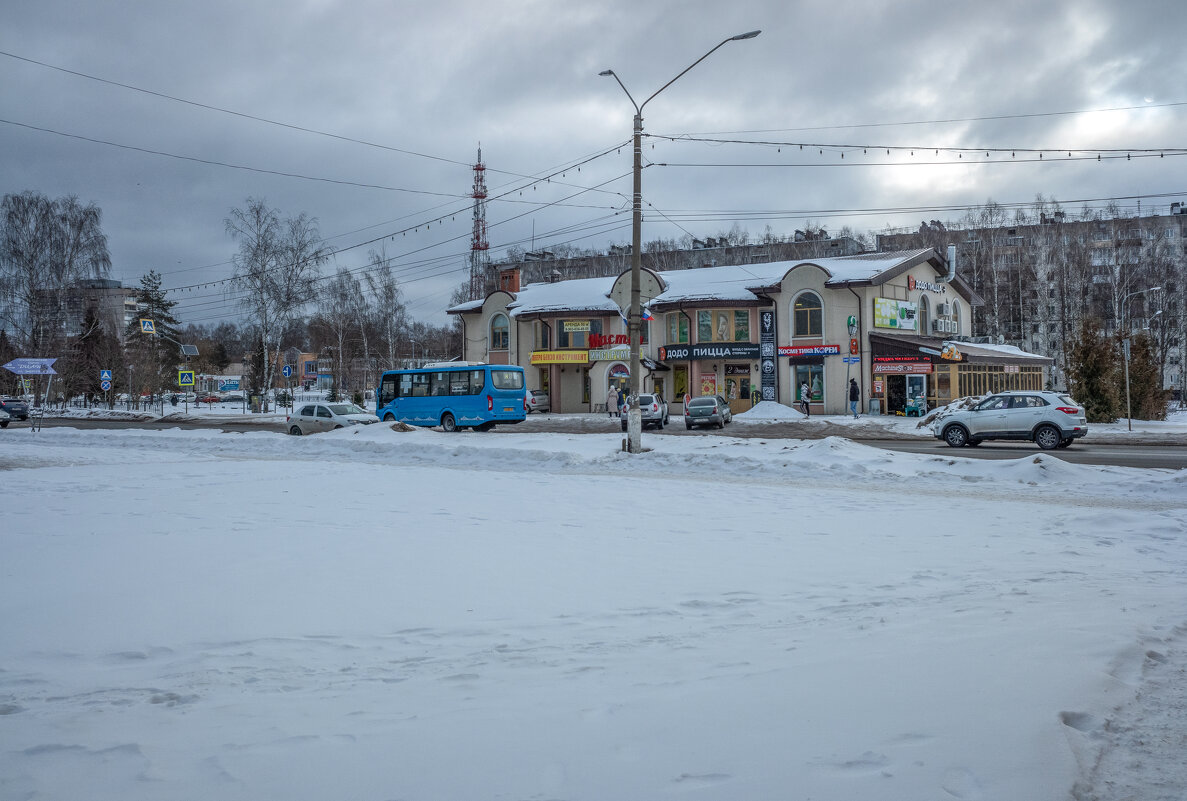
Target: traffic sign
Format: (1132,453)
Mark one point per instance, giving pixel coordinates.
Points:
(287,371)
(185,378)
(147,327)
(851,359)
(104,385)
(104,375)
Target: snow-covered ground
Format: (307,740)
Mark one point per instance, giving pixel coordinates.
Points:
(374,614)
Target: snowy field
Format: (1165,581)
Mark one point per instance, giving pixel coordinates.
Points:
(373,614)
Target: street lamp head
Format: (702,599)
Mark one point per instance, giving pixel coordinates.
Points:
(742,36)
(604,73)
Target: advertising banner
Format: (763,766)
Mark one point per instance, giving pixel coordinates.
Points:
(767,353)
(898,314)
(810,350)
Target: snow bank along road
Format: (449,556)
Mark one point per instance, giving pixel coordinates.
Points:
(377,615)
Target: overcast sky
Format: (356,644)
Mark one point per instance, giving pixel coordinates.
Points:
(407,91)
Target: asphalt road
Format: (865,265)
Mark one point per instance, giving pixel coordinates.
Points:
(1155,452)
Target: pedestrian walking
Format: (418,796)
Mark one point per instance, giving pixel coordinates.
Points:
(612,401)
(805,395)
(854,396)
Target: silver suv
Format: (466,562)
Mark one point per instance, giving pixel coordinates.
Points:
(1049,419)
(653,411)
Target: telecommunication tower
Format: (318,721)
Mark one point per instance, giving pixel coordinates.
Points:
(479,259)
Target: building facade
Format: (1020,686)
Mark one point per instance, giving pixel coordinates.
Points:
(892,321)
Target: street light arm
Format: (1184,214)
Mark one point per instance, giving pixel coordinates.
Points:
(638,108)
(737,38)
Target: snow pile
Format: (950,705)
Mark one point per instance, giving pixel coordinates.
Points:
(766,411)
(380,614)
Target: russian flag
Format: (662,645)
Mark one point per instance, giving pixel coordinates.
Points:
(647,316)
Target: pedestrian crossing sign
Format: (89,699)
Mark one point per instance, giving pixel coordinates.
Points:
(147,327)
(185,378)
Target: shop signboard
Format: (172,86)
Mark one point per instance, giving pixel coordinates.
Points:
(898,314)
(809,350)
(577,325)
(925,286)
(609,354)
(560,357)
(903,368)
(737,369)
(737,350)
(709,385)
(608,340)
(766,343)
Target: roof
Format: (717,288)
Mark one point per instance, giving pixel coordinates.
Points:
(733,283)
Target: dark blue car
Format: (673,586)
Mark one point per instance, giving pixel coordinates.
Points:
(17,409)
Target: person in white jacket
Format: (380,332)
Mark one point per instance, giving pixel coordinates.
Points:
(612,402)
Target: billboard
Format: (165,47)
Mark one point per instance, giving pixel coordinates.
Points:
(899,314)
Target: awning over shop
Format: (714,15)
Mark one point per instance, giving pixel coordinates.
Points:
(971,352)
(653,365)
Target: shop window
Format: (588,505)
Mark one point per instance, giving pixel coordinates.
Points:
(500,332)
(704,326)
(677,329)
(807,316)
(813,375)
(543,335)
(576,339)
(741,326)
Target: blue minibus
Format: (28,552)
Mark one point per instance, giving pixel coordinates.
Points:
(452,396)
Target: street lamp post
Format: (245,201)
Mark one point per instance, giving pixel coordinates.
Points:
(635,314)
(1125,351)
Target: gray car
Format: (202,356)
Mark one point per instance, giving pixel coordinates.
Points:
(707,410)
(314,417)
(1049,419)
(653,411)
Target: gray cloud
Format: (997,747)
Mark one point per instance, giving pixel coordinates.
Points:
(521,77)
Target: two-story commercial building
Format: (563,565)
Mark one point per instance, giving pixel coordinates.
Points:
(892,321)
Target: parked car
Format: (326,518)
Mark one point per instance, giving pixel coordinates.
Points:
(4,419)
(707,410)
(16,408)
(536,400)
(311,418)
(1049,419)
(653,411)
(209,399)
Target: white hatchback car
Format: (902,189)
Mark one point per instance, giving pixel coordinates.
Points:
(314,417)
(1049,419)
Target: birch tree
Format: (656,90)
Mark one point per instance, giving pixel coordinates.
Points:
(275,269)
(386,304)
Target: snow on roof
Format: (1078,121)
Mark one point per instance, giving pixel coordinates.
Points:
(579,294)
(727,283)
(985,349)
(470,305)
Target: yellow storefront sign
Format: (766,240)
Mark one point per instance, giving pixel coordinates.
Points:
(560,357)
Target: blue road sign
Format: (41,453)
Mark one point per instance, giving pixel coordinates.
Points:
(288,370)
(851,359)
(104,385)
(147,326)
(104,375)
(185,378)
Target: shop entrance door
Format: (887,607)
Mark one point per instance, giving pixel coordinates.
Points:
(916,400)
(896,393)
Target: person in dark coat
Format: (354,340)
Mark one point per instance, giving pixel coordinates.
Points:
(854,396)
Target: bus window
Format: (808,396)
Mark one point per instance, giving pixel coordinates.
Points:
(420,385)
(507,379)
(476,381)
(387,390)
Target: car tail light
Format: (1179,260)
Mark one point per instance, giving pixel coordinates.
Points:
(287,418)
(1067,409)
(655,407)
(490,403)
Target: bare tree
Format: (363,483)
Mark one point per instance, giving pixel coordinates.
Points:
(46,248)
(275,270)
(386,305)
(338,308)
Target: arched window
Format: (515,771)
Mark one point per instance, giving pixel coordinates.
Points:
(956,314)
(807,314)
(924,315)
(500,332)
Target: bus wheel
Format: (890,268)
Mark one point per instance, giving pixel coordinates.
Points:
(389,418)
(448,423)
